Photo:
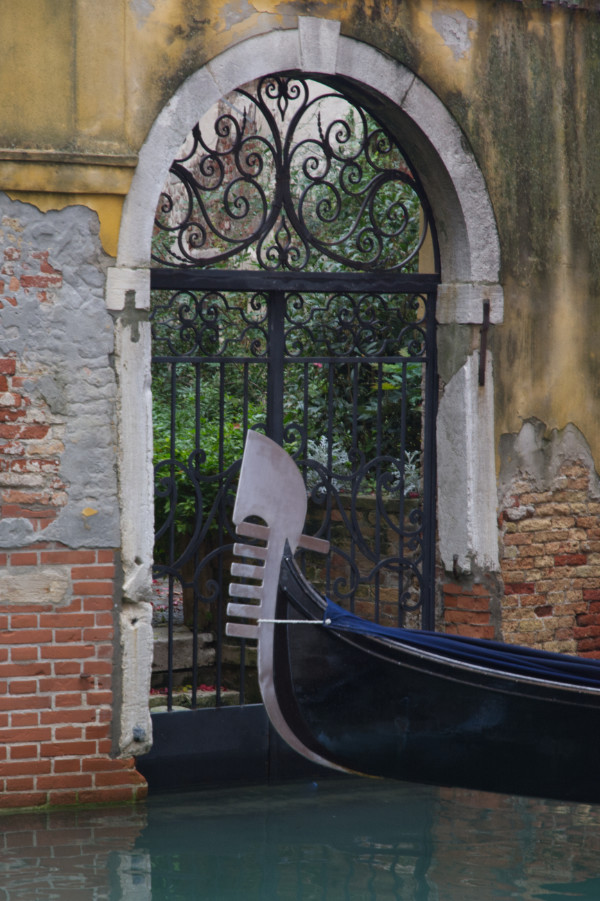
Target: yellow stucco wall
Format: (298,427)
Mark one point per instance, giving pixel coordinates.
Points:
(81,83)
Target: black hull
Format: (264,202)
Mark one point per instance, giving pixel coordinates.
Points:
(380,709)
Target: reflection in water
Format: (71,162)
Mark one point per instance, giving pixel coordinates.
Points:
(342,839)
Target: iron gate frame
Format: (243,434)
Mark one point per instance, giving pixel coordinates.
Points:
(279,283)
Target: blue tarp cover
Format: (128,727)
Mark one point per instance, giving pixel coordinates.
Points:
(508,658)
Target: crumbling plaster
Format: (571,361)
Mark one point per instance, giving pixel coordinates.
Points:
(65,343)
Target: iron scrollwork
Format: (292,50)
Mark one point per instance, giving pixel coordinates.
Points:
(291,175)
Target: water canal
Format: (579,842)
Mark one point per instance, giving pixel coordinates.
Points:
(327,841)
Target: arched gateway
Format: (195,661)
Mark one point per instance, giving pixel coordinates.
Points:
(321,164)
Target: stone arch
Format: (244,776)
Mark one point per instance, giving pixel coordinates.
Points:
(470,263)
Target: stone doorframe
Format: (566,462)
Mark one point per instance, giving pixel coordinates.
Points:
(470,261)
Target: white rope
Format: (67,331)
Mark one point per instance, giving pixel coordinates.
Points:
(295,622)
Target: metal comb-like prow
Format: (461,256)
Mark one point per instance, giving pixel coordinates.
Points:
(255,572)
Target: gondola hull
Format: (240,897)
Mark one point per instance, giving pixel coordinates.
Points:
(403,705)
(384,710)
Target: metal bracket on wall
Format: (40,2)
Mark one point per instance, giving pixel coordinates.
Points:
(483,332)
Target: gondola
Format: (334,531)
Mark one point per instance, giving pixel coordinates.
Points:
(398,703)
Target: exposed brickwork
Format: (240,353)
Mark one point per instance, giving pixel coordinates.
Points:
(551,564)
(467,610)
(31,443)
(56,700)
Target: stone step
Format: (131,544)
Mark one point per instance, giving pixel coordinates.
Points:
(182,700)
(183,648)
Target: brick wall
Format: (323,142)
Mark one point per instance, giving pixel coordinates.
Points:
(56,698)
(59,517)
(551,562)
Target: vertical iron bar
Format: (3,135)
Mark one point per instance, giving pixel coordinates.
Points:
(195,554)
(379,499)
(401,504)
(172,449)
(220,601)
(275,355)
(429,467)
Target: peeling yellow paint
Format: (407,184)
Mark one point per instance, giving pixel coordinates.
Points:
(107,206)
(263,6)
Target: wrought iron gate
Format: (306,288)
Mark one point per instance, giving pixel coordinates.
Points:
(284,299)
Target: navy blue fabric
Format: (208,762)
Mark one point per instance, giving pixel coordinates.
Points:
(479,651)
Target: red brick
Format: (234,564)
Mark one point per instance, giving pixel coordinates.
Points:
(105,634)
(67,765)
(68,668)
(467,616)
(520,588)
(127,777)
(67,636)
(102,764)
(20,784)
(546,610)
(60,798)
(8,366)
(99,603)
(24,432)
(450,588)
(476,631)
(18,653)
(68,748)
(97,731)
(67,620)
(59,652)
(589,619)
(591,594)
(18,669)
(40,281)
(87,589)
(58,684)
(20,752)
(106,556)
(64,556)
(22,799)
(23,559)
(586,631)
(27,636)
(99,697)
(22,686)
(467,603)
(64,780)
(24,719)
(33,701)
(24,767)
(84,715)
(22,734)
(27,621)
(570,560)
(74,699)
(98,667)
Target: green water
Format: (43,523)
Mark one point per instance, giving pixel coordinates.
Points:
(346,839)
